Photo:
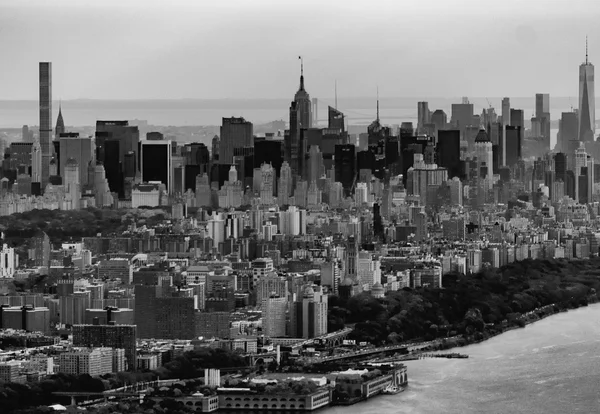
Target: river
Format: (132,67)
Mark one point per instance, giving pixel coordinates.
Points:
(551,366)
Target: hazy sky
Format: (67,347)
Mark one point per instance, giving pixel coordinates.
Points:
(130,49)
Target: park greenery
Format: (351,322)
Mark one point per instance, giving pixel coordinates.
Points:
(62,225)
(473,307)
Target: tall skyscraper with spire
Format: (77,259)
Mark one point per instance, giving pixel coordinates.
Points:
(303,103)
(300,119)
(60,124)
(587,106)
(45,72)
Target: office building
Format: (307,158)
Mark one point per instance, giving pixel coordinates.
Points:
(448,152)
(111,336)
(506,111)
(308,313)
(28,318)
(93,362)
(300,121)
(45,72)
(155,162)
(81,149)
(274,316)
(345,167)
(36,162)
(587,100)
(39,249)
(235,133)
(513,142)
(115,139)
(423,116)
(60,123)
(213,324)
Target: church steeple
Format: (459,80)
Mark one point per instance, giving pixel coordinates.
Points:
(60,123)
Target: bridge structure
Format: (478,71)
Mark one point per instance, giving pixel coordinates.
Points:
(329,340)
(133,390)
(360,353)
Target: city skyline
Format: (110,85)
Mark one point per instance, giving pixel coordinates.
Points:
(157,62)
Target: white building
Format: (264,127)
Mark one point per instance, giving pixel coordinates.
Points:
(146,194)
(273,316)
(9,261)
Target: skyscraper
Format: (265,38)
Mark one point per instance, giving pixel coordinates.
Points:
(235,133)
(587,97)
(45,72)
(155,162)
(308,315)
(506,111)
(448,151)
(302,98)
(60,124)
(300,119)
(345,167)
(423,115)
(81,149)
(36,162)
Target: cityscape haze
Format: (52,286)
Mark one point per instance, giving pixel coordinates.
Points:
(297,206)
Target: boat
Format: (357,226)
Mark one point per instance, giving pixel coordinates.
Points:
(392,389)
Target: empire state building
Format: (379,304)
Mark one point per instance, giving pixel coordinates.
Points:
(587,97)
(300,121)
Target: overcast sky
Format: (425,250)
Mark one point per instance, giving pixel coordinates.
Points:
(130,49)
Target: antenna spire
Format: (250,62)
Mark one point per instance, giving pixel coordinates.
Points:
(336,94)
(586,50)
(301,73)
(377,103)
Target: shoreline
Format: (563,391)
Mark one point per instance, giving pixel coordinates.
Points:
(536,315)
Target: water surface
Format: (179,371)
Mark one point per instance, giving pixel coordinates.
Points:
(551,366)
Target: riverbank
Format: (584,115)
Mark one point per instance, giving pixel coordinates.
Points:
(489,332)
(549,367)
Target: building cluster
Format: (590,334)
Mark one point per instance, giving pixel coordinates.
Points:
(262,230)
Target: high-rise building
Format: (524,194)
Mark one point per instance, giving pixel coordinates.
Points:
(484,154)
(423,116)
(81,149)
(111,336)
(462,115)
(36,162)
(542,104)
(345,166)
(45,72)
(506,111)
(235,133)
(300,121)
(448,151)
(517,118)
(513,142)
(315,164)
(274,316)
(568,133)
(39,249)
(72,183)
(115,139)
(60,124)
(155,162)
(439,119)
(587,100)
(302,98)
(308,314)
(336,119)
